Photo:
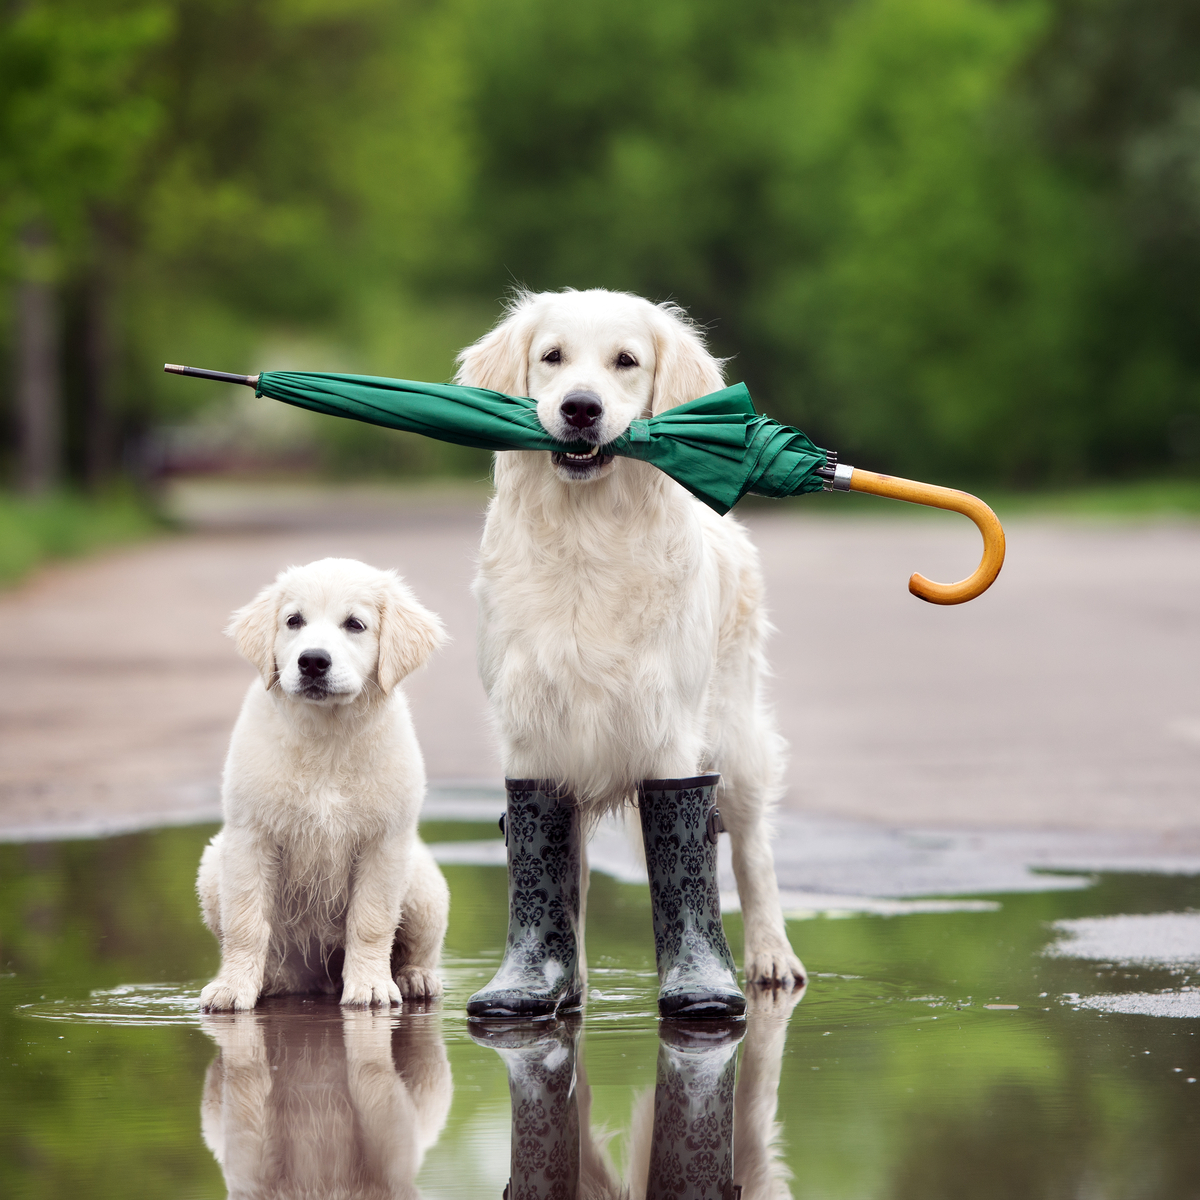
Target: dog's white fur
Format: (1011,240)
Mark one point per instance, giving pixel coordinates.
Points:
(621,622)
(319,858)
(345,1110)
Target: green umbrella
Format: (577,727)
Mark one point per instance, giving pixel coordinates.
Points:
(717,446)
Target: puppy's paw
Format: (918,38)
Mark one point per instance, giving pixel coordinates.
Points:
(228,995)
(419,983)
(775,966)
(363,991)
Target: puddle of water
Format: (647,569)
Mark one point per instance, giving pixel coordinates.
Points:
(1036,1045)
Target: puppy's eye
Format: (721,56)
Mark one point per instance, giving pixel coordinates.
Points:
(552,356)
(626,360)
(353,624)
(295,621)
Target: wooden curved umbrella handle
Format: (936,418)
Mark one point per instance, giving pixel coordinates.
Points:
(941,497)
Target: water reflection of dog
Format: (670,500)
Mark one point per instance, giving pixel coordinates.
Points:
(694,1137)
(299,1106)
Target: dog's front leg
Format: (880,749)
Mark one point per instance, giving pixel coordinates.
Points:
(247,879)
(371,923)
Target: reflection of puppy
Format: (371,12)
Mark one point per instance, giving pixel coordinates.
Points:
(298,1106)
(318,880)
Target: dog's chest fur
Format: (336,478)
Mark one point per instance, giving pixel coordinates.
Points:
(319,796)
(599,624)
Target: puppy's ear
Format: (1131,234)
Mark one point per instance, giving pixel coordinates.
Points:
(684,370)
(408,634)
(253,631)
(500,359)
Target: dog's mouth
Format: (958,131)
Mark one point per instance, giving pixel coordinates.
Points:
(586,464)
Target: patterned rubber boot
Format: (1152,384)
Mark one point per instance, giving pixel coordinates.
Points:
(545,1108)
(691,1153)
(539,974)
(680,824)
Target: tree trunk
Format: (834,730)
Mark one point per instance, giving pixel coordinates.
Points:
(97,381)
(39,391)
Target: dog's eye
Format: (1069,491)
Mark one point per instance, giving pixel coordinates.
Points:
(552,356)
(295,621)
(626,360)
(353,624)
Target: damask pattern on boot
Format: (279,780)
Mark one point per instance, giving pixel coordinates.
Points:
(540,969)
(695,967)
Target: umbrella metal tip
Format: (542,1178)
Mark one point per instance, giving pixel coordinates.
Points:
(175,368)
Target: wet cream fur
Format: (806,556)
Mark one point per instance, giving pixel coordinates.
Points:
(295,1107)
(319,854)
(621,620)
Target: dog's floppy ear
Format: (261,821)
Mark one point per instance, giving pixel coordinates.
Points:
(408,633)
(684,370)
(253,631)
(500,359)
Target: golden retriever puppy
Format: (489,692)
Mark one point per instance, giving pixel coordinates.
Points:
(621,620)
(318,881)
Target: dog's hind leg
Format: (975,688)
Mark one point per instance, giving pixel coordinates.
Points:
(750,782)
(208,885)
(425,913)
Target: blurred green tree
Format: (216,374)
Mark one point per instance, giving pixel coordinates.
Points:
(947,236)
(868,202)
(73,125)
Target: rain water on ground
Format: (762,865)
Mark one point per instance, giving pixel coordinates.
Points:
(1025,1044)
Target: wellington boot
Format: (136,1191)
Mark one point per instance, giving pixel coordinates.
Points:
(691,1153)
(540,972)
(697,978)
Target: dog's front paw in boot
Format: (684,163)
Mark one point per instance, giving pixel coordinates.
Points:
(540,972)
(697,978)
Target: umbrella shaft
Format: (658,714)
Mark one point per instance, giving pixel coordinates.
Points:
(219,376)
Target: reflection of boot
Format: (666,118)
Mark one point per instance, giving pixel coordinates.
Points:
(696,974)
(540,1061)
(540,971)
(692,1151)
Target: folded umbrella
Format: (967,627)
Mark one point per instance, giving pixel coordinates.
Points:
(718,446)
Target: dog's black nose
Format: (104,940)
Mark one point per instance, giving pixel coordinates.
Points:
(581,409)
(314,662)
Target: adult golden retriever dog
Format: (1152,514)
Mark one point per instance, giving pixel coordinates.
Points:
(318,882)
(621,632)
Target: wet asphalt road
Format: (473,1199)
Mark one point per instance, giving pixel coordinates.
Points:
(1067,697)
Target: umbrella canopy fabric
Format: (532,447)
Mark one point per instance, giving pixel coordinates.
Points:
(717,447)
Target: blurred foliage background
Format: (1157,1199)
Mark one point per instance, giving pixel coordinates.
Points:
(952,238)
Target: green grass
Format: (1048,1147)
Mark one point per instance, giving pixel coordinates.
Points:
(1118,500)
(1141,498)
(66,524)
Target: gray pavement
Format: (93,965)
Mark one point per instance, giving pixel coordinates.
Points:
(1062,705)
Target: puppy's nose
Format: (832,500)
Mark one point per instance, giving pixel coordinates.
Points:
(581,409)
(314,662)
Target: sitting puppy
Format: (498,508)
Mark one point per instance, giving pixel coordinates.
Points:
(318,880)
